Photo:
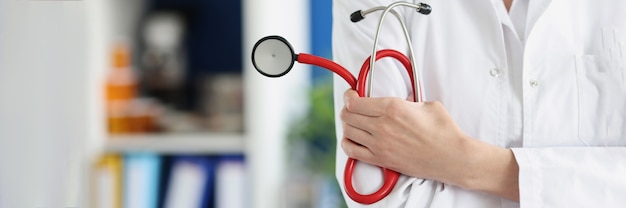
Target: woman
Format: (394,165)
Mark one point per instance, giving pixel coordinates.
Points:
(525,104)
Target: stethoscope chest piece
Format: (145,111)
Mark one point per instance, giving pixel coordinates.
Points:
(273,56)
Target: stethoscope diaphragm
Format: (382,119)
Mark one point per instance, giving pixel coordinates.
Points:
(273,56)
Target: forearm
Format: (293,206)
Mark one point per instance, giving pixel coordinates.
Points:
(491,169)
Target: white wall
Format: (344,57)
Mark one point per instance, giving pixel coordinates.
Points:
(42,103)
(272,102)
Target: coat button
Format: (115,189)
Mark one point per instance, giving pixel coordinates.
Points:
(534,83)
(494,72)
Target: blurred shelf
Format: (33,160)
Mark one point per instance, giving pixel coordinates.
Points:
(178,143)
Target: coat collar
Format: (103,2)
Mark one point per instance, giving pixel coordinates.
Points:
(536,9)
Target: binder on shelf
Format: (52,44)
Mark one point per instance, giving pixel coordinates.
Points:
(166,167)
(141,180)
(107,182)
(191,182)
(230,189)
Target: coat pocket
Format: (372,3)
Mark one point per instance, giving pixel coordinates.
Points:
(602,100)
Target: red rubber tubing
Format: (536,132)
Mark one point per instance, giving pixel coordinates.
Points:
(330,65)
(390,176)
(365,68)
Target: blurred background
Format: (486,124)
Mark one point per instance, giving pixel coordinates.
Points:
(155,103)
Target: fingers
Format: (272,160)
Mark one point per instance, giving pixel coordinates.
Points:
(357,120)
(356,151)
(356,143)
(357,135)
(363,106)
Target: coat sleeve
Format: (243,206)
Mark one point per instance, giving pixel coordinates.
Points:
(352,44)
(572,176)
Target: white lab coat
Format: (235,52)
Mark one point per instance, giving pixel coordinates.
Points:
(554,92)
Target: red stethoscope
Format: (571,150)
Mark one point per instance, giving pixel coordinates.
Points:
(273,56)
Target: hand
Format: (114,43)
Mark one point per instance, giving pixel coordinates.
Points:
(422,140)
(416,139)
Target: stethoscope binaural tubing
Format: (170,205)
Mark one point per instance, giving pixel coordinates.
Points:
(285,55)
(390,177)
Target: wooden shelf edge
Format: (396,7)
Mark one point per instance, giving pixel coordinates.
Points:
(178,143)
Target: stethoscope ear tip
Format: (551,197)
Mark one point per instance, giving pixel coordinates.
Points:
(424,9)
(356,16)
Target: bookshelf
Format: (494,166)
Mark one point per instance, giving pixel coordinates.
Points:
(269,104)
(54,58)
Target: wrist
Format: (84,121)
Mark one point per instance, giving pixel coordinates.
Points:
(472,175)
(468,172)
(490,169)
